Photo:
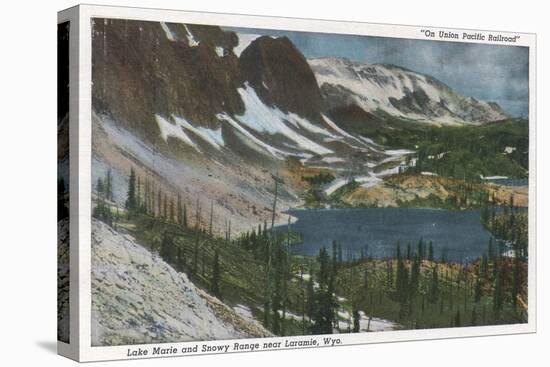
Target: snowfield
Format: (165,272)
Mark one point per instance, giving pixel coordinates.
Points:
(181,125)
(262,118)
(168,129)
(378,86)
(253,141)
(138,298)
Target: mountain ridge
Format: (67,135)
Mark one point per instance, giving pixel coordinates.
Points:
(208,121)
(399,91)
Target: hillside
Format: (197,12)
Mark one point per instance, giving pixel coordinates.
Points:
(427,191)
(138,298)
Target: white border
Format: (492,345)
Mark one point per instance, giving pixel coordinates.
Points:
(82,264)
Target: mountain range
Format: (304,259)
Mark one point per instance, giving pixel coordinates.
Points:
(210,113)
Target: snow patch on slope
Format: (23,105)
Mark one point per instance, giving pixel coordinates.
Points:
(168,32)
(220,51)
(340,131)
(277,153)
(262,118)
(211,136)
(333,159)
(168,129)
(245,39)
(191,41)
(303,123)
(178,130)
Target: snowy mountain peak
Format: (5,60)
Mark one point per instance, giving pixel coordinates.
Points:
(399,92)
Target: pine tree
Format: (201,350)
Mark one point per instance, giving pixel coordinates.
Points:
(310,290)
(184,216)
(216,275)
(430,252)
(159,203)
(490,250)
(433,295)
(229,232)
(398,251)
(420,251)
(457,321)
(334,257)
(167,250)
(415,276)
(196,252)
(179,211)
(100,187)
(180,259)
(211,218)
(478,290)
(109,185)
(516,282)
(498,295)
(153,202)
(131,197)
(138,194)
(324,268)
(172,211)
(356,320)
(402,279)
(484,265)
(165,208)
(389,274)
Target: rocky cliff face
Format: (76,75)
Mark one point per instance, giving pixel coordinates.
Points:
(281,76)
(143,69)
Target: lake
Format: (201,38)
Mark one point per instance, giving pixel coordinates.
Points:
(458,235)
(510,181)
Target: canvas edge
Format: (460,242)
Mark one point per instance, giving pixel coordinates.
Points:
(70,349)
(81,260)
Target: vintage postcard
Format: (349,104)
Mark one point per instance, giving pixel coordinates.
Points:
(249,183)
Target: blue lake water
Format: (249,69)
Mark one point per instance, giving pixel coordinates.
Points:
(458,235)
(510,181)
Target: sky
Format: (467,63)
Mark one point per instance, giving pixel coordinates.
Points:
(495,73)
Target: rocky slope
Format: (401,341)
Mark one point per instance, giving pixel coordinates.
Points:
(143,69)
(138,298)
(281,76)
